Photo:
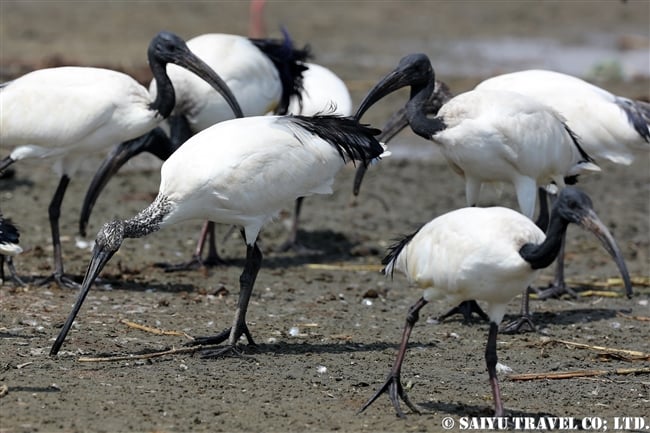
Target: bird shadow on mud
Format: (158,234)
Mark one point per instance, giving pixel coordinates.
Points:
(267,350)
(555,318)
(573,316)
(487,411)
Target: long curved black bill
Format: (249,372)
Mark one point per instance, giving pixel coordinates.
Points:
(413,70)
(399,120)
(395,124)
(99,259)
(155,142)
(191,62)
(592,223)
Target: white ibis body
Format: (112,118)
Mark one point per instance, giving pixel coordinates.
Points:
(489,254)
(263,75)
(489,135)
(69,113)
(322,92)
(240,172)
(9,247)
(611,128)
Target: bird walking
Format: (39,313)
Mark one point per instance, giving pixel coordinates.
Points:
(265,75)
(243,172)
(489,254)
(9,247)
(69,113)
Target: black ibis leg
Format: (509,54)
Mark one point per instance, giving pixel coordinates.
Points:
(491,361)
(525,321)
(393,384)
(54,211)
(558,287)
(12,270)
(246,283)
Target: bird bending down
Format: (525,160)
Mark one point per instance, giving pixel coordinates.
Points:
(9,247)
(240,172)
(489,254)
(489,136)
(264,75)
(69,113)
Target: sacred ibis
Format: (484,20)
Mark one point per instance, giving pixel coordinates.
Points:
(323,92)
(9,247)
(491,135)
(264,75)
(69,113)
(489,254)
(612,129)
(240,172)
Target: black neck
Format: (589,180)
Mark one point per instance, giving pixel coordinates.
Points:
(542,255)
(417,115)
(165,97)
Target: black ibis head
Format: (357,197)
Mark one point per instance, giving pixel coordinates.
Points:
(166,47)
(108,241)
(575,206)
(414,70)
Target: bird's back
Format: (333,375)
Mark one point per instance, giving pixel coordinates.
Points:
(244,171)
(466,253)
(600,118)
(323,92)
(498,136)
(65,107)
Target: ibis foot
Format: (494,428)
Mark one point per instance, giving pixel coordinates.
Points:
(555,290)
(224,335)
(62,280)
(393,386)
(466,308)
(523,324)
(13,275)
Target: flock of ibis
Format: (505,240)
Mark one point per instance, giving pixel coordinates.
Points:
(246,126)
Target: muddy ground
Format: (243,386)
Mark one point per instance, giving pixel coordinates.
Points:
(327,325)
